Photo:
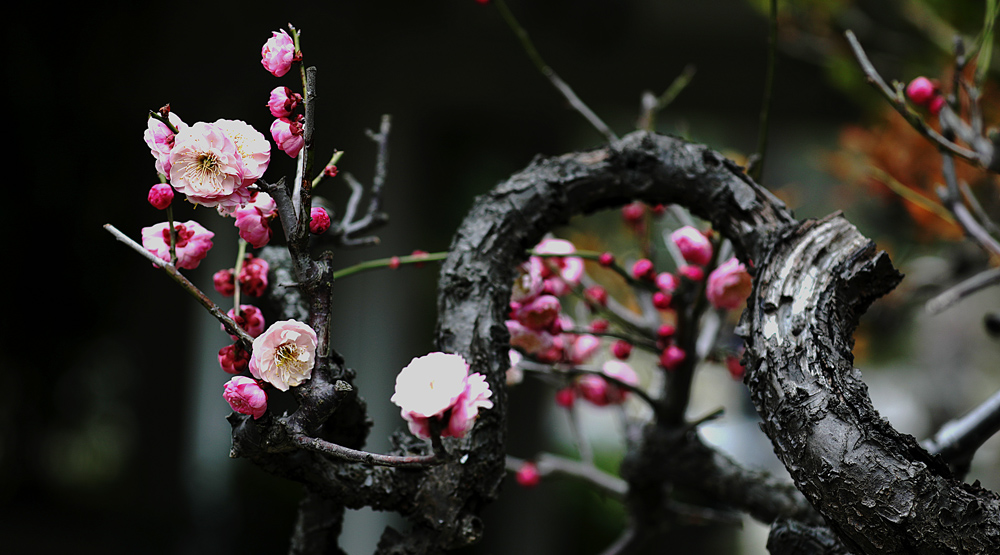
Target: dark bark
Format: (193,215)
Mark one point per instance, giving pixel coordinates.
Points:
(877,489)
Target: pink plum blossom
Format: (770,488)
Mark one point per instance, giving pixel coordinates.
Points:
(283,102)
(278,53)
(319,220)
(223,282)
(568,270)
(539,313)
(287,134)
(254,220)
(160,140)
(250,319)
(207,167)
(233,359)
(600,392)
(284,355)
(694,246)
(192,242)
(643,269)
(529,283)
(666,282)
(691,272)
(253,276)
(672,357)
(434,384)
(582,347)
(160,196)
(246,396)
(921,90)
(530,341)
(729,285)
(255,151)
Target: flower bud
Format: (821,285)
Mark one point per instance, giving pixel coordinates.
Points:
(606,259)
(160,196)
(693,273)
(694,246)
(565,397)
(224,283)
(599,325)
(596,295)
(233,359)
(920,91)
(319,220)
(936,104)
(621,349)
(283,102)
(665,331)
(330,171)
(661,300)
(643,269)
(278,53)
(245,396)
(287,134)
(528,475)
(672,357)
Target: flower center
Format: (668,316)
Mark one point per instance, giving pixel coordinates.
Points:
(208,163)
(287,354)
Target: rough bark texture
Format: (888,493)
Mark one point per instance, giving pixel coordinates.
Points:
(876,489)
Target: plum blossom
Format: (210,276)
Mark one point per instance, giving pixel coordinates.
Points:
(539,313)
(192,242)
(533,342)
(253,276)
(160,140)
(278,53)
(439,386)
(283,102)
(580,348)
(287,134)
(224,283)
(255,151)
(246,396)
(694,246)
(600,392)
(285,354)
(563,272)
(254,220)
(529,283)
(207,167)
(250,319)
(729,285)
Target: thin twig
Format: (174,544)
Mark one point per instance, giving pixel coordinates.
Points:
(548,464)
(952,200)
(374,217)
(756,170)
(246,342)
(653,105)
(559,84)
(353,455)
(958,292)
(897,101)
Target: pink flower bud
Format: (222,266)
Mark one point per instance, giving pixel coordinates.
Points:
(319,220)
(633,214)
(665,331)
(729,285)
(283,102)
(254,220)
(599,391)
(661,300)
(582,348)
(528,475)
(694,246)
(540,313)
(278,53)
(253,276)
(666,282)
(658,210)
(599,325)
(245,396)
(233,359)
(643,269)
(191,242)
(160,196)
(330,171)
(920,90)
(937,103)
(566,397)
(672,357)
(223,282)
(693,273)
(394,263)
(287,134)
(621,349)
(596,295)
(250,319)
(606,259)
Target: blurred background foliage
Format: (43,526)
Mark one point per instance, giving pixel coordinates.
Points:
(112,430)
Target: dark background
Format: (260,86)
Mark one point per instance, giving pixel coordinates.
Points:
(112,437)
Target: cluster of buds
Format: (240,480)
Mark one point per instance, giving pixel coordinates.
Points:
(277,56)
(924,92)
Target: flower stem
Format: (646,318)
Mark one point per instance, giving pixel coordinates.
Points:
(386,262)
(240,255)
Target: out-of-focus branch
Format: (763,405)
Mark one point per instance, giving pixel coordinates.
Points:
(958,440)
(549,464)
(346,232)
(958,292)
(652,105)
